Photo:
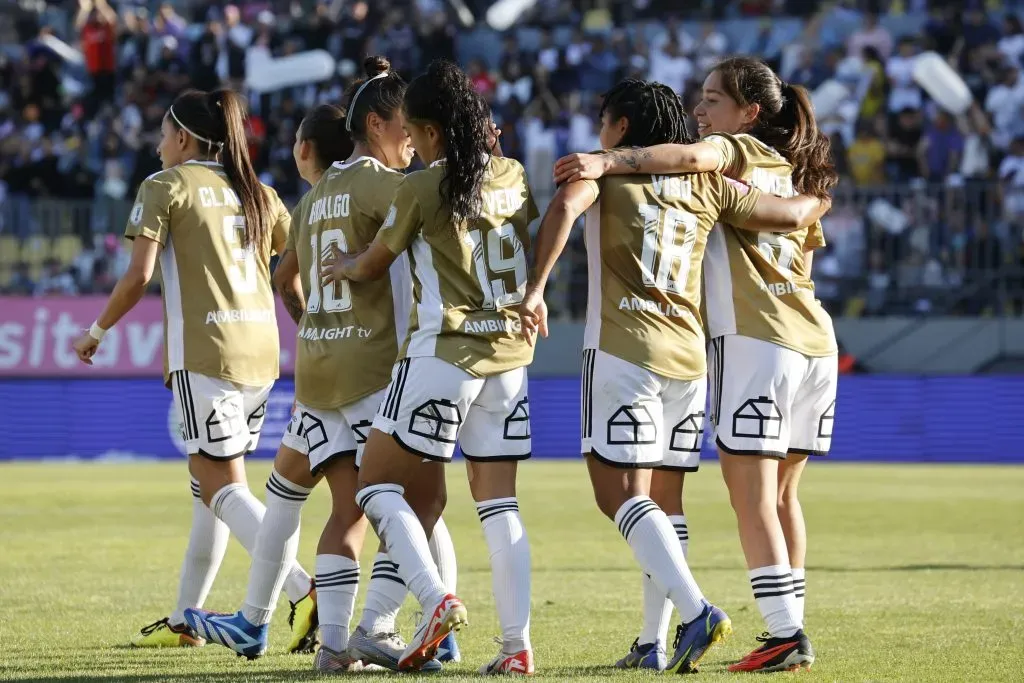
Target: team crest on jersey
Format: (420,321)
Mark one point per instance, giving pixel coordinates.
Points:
(136,216)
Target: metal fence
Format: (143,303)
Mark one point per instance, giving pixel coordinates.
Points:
(919,248)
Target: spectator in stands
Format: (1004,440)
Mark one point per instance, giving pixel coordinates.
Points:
(55,279)
(867,155)
(1004,104)
(977,29)
(1011,45)
(871,34)
(941,147)
(902,160)
(899,69)
(21,280)
(670,66)
(97,26)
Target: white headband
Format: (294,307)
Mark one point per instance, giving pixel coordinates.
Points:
(211,143)
(352,104)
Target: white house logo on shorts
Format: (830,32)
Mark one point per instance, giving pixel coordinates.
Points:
(828,418)
(757,418)
(688,435)
(632,425)
(437,420)
(136,216)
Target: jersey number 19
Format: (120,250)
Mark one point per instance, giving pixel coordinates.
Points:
(502,254)
(336,297)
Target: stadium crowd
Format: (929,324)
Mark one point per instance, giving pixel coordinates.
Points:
(929,217)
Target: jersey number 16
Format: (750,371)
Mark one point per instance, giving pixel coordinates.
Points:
(335,297)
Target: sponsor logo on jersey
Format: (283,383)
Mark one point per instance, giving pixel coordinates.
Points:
(332,333)
(492,325)
(633,303)
(236,315)
(780,288)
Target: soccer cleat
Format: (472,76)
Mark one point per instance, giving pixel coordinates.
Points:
(447,616)
(382,650)
(694,639)
(646,656)
(518,663)
(778,654)
(233,631)
(448,650)
(329,661)
(303,621)
(162,634)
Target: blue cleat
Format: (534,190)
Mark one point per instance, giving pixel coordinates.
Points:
(448,650)
(693,640)
(230,630)
(646,656)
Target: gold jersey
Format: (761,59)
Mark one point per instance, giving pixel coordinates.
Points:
(468,281)
(348,336)
(219,317)
(756,283)
(645,239)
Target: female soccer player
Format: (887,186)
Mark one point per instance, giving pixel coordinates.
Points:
(644,377)
(348,340)
(213,226)
(461,374)
(773,352)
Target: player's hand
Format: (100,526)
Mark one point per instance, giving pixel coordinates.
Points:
(533,314)
(85,346)
(573,167)
(332,265)
(493,138)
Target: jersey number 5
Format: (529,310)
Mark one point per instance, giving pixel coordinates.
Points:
(663,249)
(504,253)
(241,273)
(338,296)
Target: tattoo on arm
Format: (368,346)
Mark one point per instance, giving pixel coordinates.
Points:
(631,157)
(293,302)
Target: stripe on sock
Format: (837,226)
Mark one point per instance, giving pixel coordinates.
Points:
(385,569)
(344,577)
(282,488)
(486,511)
(364,496)
(194,485)
(640,509)
(772,586)
(682,532)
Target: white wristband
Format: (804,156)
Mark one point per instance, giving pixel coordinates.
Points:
(97,332)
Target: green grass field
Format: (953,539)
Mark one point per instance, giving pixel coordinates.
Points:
(916,573)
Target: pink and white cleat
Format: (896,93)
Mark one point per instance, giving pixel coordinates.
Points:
(516,664)
(447,616)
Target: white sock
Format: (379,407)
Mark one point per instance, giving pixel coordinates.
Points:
(384,596)
(337,580)
(799,588)
(443,552)
(243,513)
(277,544)
(207,541)
(657,607)
(773,592)
(510,569)
(655,545)
(397,525)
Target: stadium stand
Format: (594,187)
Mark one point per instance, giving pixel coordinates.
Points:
(929,217)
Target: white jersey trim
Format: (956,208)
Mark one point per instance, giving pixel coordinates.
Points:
(401,295)
(430,309)
(718,294)
(172,307)
(342,165)
(592,238)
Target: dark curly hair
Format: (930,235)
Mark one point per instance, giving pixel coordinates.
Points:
(786,122)
(445,97)
(655,113)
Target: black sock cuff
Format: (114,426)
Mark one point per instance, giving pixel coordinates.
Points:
(282,488)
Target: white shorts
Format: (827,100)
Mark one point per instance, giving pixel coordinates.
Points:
(431,404)
(770,400)
(218,419)
(324,435)
(633,417)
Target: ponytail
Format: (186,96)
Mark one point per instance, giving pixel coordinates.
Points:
(785,122)
(229,107)
(798,138)
(217,121)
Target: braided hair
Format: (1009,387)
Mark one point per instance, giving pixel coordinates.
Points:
(445,97)
(655,113)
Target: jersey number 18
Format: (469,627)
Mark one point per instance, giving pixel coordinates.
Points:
(663,249)
(336,297)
